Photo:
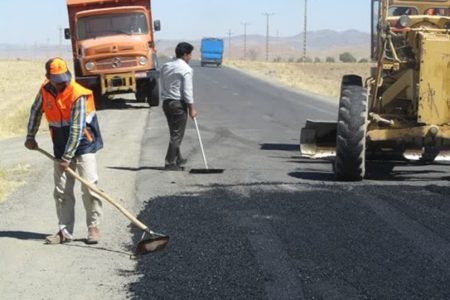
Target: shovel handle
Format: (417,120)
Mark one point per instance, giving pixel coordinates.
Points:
(92,187)
(201,144)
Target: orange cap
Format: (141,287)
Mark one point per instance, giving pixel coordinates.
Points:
(57,70)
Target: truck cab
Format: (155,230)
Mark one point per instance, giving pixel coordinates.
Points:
(113,47)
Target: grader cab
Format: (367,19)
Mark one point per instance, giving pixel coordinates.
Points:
(404,107)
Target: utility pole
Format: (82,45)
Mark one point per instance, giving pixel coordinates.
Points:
(268,15)
(304,32)
(245,38)
(60,41)
(229,43)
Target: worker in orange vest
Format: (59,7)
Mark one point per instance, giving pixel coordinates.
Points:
(70,111)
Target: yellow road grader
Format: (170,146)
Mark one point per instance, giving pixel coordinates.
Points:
(404,106)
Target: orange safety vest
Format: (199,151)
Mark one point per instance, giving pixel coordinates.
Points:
(58,109)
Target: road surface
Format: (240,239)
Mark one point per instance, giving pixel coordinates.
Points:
(272,226)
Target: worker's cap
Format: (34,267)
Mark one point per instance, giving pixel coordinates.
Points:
(57,70)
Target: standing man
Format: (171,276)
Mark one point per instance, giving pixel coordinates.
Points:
(70,111)
(177,93)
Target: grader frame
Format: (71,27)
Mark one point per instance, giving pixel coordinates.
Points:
(404,106)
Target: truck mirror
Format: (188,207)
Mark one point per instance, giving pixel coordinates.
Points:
(67,33)
(157,25)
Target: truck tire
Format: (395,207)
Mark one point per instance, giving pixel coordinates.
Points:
(349,164)
(100,100)
(153,93)
(141,95)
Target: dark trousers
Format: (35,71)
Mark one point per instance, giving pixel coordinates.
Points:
(176,114)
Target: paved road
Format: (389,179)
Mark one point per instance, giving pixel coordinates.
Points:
(276,226)
(272,226)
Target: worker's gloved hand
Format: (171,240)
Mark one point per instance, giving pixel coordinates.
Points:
(31,144)
(63,164)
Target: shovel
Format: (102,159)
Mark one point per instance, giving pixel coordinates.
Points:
(206,170)
(155,242)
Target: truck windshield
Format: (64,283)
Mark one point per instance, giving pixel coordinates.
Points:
(112,24)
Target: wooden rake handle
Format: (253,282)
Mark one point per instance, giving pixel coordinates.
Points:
(105,196)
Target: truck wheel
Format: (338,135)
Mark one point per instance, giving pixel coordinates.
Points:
(141,95)
(100,100)
(349,164)
(153,93)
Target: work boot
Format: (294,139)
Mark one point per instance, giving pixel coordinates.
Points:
(182,162)
(93,235)
(61,237)
(173,168)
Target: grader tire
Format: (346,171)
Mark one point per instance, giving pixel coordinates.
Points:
(349,164)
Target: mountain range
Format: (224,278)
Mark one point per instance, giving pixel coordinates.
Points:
(319,44)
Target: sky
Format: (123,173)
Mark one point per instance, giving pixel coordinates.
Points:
(40,20)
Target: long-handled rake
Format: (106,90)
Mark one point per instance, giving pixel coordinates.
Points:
(155,242)
(206,170)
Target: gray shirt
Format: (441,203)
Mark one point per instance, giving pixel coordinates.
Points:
(176,81)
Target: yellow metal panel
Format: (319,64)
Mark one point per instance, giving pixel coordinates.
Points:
(125,82)
(434,85)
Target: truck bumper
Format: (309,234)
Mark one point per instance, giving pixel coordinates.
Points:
(211,61)
(116,83)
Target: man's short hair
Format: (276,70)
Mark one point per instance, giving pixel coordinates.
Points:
(183,48)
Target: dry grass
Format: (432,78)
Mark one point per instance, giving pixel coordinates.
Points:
(9,180)
(319,78)
(19,83)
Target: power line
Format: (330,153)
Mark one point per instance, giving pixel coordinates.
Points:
(268,15)
(60,41)
(305,28)
(245,24)
(229,43)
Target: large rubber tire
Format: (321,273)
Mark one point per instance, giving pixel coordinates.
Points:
(100,100)
(141,95)
(153,96)
(349,164)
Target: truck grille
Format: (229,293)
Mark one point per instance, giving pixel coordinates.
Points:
(116,63)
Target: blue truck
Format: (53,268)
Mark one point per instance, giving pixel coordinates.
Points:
(212,51)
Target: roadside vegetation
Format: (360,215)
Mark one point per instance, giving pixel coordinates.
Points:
(19,83)
(10,179)
(316,77)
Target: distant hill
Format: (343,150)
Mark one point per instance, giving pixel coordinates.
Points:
(320,44)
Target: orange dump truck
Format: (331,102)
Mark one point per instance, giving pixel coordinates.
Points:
(114,48)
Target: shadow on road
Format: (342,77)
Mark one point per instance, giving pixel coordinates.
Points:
(120,104)
(280,147)
(23,235)
(137,169)
(95,248)
(376,170)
